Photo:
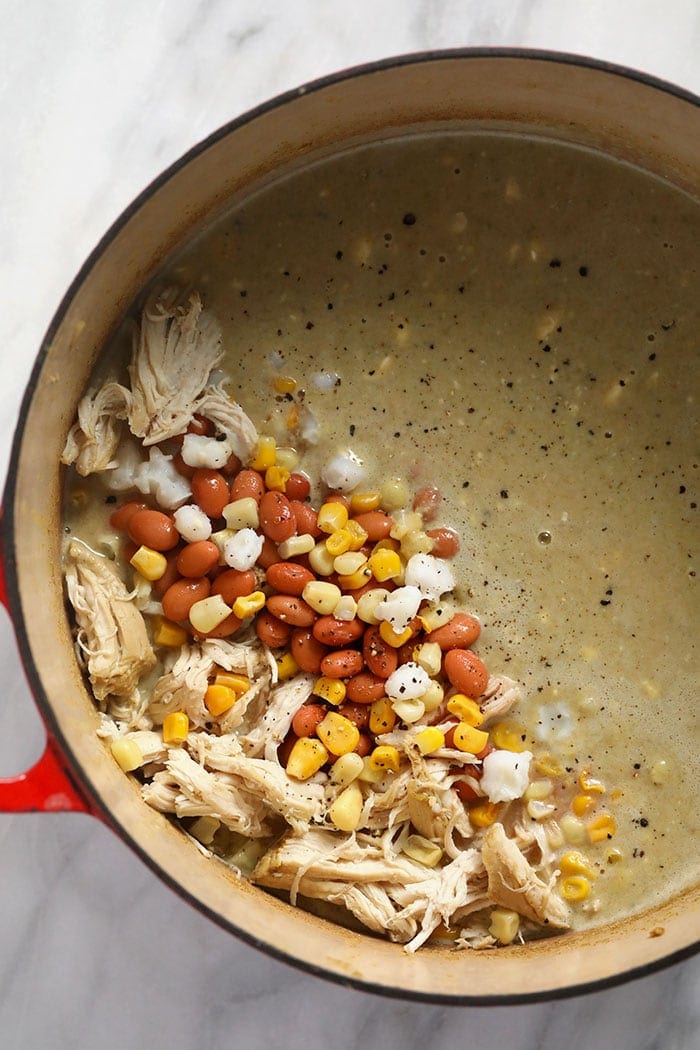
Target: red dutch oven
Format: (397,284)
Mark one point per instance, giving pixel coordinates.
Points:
(626,115)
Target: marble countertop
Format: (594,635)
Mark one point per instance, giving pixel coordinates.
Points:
(96,99)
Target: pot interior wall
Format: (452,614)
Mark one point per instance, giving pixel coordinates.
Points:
(571,102)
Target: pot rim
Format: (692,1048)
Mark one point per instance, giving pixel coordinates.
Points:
(95,804)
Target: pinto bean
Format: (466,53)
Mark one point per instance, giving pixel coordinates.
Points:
(358,714)
(298,486)
(381,658)
(376,524)
(466,672)
(427,502)
(181,596)
(210,491)
(460,633)
(307,650)
(365,688)
(224,629)
(120,518)
(196,559)
(337,633)
(291,610)
(308,718)
(342,663)
(271,631)
(169,576)
(247,483)
(233,583)
(153,529)
(288,577)
(306,518)
(445,542)
(269,554)
(276,517)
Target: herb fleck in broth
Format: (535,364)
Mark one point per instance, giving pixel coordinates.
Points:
(515,321)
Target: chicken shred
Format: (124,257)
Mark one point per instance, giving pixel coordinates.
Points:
(94,438)
(513,882)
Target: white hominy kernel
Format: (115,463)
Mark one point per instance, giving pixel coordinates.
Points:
(399,607)
(368,603)
(409,711)
(344,472)
(243,549)
(346,608)
(242,513)
(192,523)
(201,451)
(505,775)
(407,682)
(433,576)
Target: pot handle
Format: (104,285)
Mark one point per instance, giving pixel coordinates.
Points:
(47,786)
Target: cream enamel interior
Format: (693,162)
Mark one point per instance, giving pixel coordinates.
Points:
(630,119)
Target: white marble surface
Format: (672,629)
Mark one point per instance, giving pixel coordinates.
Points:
(96,98)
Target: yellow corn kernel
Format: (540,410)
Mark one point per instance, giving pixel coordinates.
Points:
(409,711)
(382,717)
(265,454)
(390,636)
(575,888)
(332,517)
(403,523)
(276,478)
(468,738)
(242,514)
(368,602)
(394,494)
(208,613)
(589,783)
(602,827)
(430,739)
(127,753)
(384,565)
(466,709)
(346,810)
(167,633)
(321,596)
(614,855)
(238,683)
(346,608)
(574,863)
(483,814)
(284,384)
(508,736)
(288,458)
(436,614)
(176,726)
(548,766)
(504,925)
(338,542)
(358,535)
(287,667)
(429,657)
(248,604)
(218,699)
(422,850)
(345,769)
(573,829)
(349,562)
(385,759)
(538,790)
(338,734)
(580,804)
(306,758)
(320,560)
(151,564)
(296,545)
(361,502)
(330,689)
(416,542)
(355,580)
(432,697)
(386,544)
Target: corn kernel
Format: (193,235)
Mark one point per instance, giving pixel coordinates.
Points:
(276,478)
(573,829)
(338,734)
(332,517)
(208,613)
(580,804)
(546,765)
(266,453)
(394,494)
(330,689)
(248,604)
(575,888)
(429,657)
(504,925)
(432,697)
(385,759)
(127,753)
(239,683)
(242,514)
(508,736)
(287,667)
(368,602)
(355,580)
(345,769)
(403,522)
(384,565)
(176,726)
(468,738)
(288,458)
(296,545)
(416,542)
(218,699)
(220,538)
(389,635)
(349,562)
(466,709)
(409,711)
(167,633)
(151,564)
(602,827)
(574,863)
(320,560)
(346,608)
(614,855)
(345,811)
(589,783)
(430,739)
(539,810)
(284,384)
(306,758)
(338,542)
(436,614)
(358,535)
(483,814)
(422,850)
(538,790)
(369,774)
(361,502)
(321,596)
(382,717)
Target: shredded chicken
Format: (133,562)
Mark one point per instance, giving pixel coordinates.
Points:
(229,418)
(93,440)
(502,694)
(514,884)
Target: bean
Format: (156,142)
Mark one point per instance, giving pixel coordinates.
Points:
(466,672)
(285,748)
(365,688)
(183,468)
(305,518)
(181,596)
(288,577)
(307,650)
(227,627)
(427,502)
(338,497)
(196,559)
(200,425)
(298,486)
(342,663)
(247,483)
(232,584)
(169,576)
(291,610)
(269,554)
(232,466)
(376,524)
(358,714)
(120,518)
(308,718)
(464,791)
(271,631)
(381,658)
(337,633)
(364,745)
(445,542)
(460,633)
(210,491)
(276,517)
(153,529)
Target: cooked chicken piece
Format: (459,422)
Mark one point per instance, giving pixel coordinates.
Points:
(501,695)
(514,884)
(176,348)
(275,721)
(112,632)
(387,804)
(93,439)
(229,419)
(436,813)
